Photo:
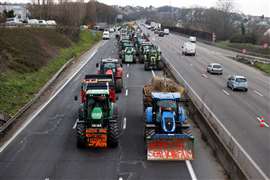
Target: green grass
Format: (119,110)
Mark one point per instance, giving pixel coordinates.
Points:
(263,67)
(251,48)
(17,88)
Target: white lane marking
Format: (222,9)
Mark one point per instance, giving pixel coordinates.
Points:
(120,178)
(222,125)
(75,124)
(124,123)
(259,119)
(190,170)
(47,178)
(127,75)
(126,92)
(205,76)
(225,92)
(258,93)
(153,73)
(28,121)
(127,65)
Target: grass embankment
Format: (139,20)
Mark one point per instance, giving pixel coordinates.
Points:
(29,58)
(251,48)
(263,67)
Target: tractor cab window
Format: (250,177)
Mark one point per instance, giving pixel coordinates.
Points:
(108,66)
(167,105)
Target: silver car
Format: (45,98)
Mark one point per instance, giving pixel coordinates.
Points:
(237,82)
(215,68)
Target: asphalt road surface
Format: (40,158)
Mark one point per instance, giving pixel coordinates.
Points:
(46,148)
(238,111)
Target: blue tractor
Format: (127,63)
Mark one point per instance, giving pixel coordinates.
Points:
(168,135)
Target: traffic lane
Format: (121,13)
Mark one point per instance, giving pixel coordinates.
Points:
(133,164)
(230,111)
(257,102)
(40,149)
(233,67)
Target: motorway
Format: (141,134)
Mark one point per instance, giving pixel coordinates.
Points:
(238,111)
(46,149)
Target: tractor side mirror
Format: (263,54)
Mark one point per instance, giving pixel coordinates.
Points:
(75,98)
(97,65)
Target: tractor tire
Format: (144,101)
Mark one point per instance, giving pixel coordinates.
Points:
(148,132)
(80,141)
(118,85)
(160,65)
(113,135)
(146,67)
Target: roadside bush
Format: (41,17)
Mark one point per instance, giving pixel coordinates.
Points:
(247,38)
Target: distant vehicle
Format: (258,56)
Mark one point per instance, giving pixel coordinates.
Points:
(32,21)
(52,22)
(161,34)
(111,30)
(166,31)
(192,39)
(237,82)
(189,49)
(106,35)
(13,21)
(215,68)
(156,31)
(42,22)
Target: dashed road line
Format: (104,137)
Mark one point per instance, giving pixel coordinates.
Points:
(225,92)
(258,93)
(124,123)
(75,125)
(153,73)
(127,75)
(205,76)
(126,92)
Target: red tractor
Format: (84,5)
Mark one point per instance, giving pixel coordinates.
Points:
(97,79)
(112,67)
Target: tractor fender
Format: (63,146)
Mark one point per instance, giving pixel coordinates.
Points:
(182,114)
(149,115)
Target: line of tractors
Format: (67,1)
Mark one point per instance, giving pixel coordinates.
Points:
(134,46)
(167,133)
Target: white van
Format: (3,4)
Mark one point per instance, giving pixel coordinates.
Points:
(189,48)
(166,31)
(192,39)
(106,35)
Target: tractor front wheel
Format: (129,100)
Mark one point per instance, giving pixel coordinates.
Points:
(113,135)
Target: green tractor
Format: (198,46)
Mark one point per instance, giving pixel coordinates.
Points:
(152,59)
(129,54)
(97,126)
(144,47)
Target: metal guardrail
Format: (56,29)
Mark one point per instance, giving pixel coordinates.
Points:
(240,157)
(251,59)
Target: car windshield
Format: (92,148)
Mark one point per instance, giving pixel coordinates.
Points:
(166,104)
(241,80)
(217,66)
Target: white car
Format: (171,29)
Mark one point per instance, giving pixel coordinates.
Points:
(215,68)
(42,22)
(111,30)
(189,48)
(106,35)
(237,82)
(32,21)
(51,22)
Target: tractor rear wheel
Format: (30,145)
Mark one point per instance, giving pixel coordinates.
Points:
(113,135)
(80,140)
(119,85)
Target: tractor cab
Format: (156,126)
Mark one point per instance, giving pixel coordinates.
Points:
(110,66)
(95,81)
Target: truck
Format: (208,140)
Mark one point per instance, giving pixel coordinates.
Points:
(112,67)
(167,133)
(97,125)
(189,48)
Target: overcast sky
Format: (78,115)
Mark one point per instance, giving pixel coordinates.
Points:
(253,7)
